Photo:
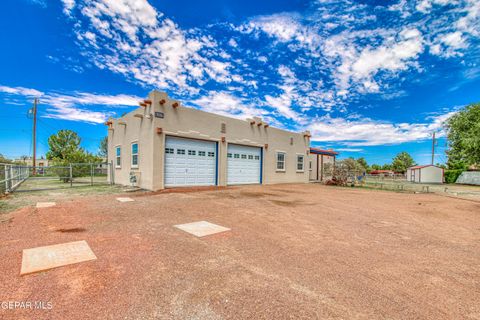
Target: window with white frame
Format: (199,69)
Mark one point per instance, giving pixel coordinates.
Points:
(300,159)
(118,159)
(135,155)
(280,161)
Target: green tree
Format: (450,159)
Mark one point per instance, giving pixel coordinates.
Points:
(441,165)
(103,148)
(463,134)
(65,148)
(63,145)
(361,161)
(4,160)
(351,164)
(375,167)
(386,166)
(65,152)
(402,161)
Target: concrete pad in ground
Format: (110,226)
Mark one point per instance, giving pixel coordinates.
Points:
(201,228)
(45,204)
(125,199)
(49,257)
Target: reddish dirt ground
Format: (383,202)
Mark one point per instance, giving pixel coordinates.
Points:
(295,251)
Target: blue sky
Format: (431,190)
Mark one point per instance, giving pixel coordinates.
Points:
(367,78)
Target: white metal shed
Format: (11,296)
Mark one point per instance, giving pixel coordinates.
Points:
(425,174)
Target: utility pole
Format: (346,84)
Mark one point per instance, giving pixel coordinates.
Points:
(34,138)
(433,148)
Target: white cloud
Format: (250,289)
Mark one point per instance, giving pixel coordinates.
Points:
(449,44)
(283,104)
(292,92)
(349,149)
(454,40)
(21,91)
(131,38)
(65,106)
(76,114)
(361,66)
(452,37)
(425,6)
(284,27)
(369,132)
(68,6)
(226,104)
(233,43)
(401,7)
(318,61)
(470,22)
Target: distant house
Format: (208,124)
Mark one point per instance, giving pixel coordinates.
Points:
(425,174)
(384,173)
(39,162)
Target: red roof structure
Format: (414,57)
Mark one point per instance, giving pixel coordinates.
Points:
(328,152)
(382,172)
(421,167)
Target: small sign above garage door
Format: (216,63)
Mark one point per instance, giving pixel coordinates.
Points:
(243,164)
(190,162)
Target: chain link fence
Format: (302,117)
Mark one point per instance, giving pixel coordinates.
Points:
(11,176)
(21,178)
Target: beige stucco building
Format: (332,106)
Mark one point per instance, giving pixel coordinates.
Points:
(164,144)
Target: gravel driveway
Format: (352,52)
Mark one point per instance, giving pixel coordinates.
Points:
(294,251)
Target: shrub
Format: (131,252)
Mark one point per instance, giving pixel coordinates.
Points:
(452,175)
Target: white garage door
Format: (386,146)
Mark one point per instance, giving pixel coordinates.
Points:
(243,164)
(190,162)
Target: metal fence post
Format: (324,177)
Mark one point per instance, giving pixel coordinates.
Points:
(10,175)
(91,174)
(6,178)
(71,176)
